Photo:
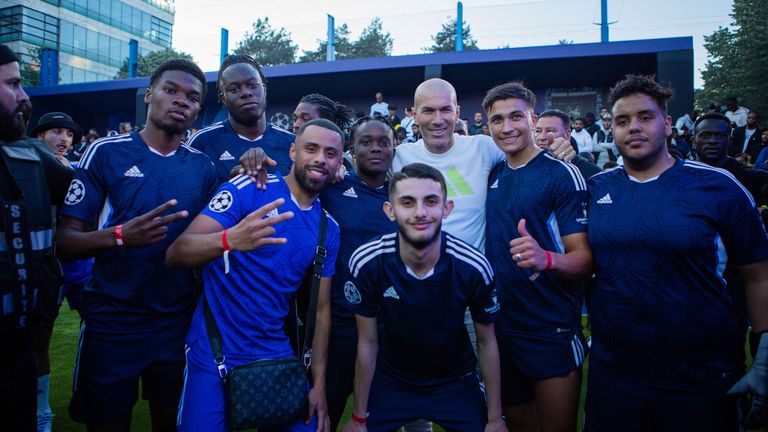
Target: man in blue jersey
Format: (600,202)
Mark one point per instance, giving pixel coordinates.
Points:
(242,89)
(418,281)
(136,310)
(666,336)
(356,204)
(536,242)
(256,246)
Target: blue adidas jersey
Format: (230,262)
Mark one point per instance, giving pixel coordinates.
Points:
(359,210)
(424,341)
(118,179)
(250,303)
(661,311)
(224,146)
(551,196)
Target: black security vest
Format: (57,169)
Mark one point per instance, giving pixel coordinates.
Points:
(29,272)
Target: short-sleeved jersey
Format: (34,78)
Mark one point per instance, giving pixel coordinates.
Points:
(225,146)
(251,302)
(118,179)
(465,167)
(424,340)
(551,196)
(661,311)
(359,210)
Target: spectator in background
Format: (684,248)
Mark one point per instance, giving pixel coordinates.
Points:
(609,165)
(379,106)
(400,136)
(680,144)
(604,112)
(476,128)
(315,105)
(684,123)
(58,132)
(581,136)
(762,159)
(416,129)
(746,139)
(603,147)
(735,113)
(461,127)
(392,117)
(486,130)
(408,121)
(125,128)
(590,123)
(555,122)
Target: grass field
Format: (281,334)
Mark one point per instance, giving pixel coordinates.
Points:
(63,350)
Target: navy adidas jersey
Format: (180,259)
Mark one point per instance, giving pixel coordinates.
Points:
(661,310)
(250,303)
(118,179)
(225,146)
(359,210)
(551,196)
(424,341)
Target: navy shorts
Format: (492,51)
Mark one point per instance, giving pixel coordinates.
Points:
(203,405)
(456,406)
(526,358)
(340,367)
(108,368)
(617,403)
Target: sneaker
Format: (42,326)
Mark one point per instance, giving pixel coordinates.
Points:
(45,422)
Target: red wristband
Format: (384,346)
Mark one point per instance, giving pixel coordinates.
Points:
(119,235)
(549,261)
(224,242)
(359,420)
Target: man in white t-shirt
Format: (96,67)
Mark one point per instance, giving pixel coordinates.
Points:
(408,121)
(581,136)
(380,106)
(465,161)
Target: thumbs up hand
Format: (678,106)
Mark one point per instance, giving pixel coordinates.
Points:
(525,250)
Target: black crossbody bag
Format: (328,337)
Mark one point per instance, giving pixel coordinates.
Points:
(269,392)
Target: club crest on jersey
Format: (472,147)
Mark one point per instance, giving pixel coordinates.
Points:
(76,192)
(494,307)
(351,293)
(221,202)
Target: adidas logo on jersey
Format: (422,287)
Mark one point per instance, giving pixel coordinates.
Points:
(350,193)
(605,200)
(495,184)
(226,156)
(133,172)
(390,292)
(272,213)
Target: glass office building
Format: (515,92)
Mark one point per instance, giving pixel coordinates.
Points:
(92,36)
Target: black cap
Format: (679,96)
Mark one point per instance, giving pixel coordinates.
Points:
(7,55)
(54,120)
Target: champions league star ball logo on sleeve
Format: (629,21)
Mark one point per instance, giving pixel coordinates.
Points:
(351,293)
(76,192)
(221,202)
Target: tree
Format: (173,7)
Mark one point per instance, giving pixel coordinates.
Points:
(373,42)
(343,47)
(268,45)
(30,71)
(737,60)
(445,39)
(148,63)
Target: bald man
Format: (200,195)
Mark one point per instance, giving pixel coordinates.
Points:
(464,161)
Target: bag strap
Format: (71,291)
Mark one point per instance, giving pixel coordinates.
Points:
(317,270)
(214,335)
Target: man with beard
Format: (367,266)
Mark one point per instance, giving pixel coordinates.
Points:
(31,181)
(256,246)
(242,89)
(58,132)
(418,281)
(667,343)
(135,310)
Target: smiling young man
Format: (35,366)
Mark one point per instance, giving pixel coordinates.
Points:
(418,281)
(356,204)
(256,246)
(536,242)
(136,310)
(242,88)
(667,341)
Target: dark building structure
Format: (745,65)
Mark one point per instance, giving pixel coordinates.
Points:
(573,78)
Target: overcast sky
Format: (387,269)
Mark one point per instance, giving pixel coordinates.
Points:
(494,24)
